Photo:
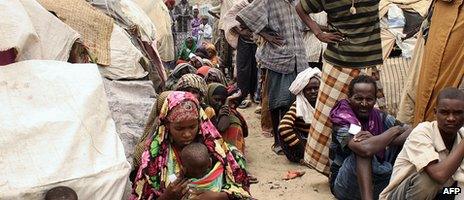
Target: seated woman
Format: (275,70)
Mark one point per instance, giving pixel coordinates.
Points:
(180,70)
(215,75)
(188,47)
(294,127)
(182,122)
(229,122)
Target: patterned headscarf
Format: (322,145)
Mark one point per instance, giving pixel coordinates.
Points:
(180,70)
(159,160)
(215,76)
(192,81)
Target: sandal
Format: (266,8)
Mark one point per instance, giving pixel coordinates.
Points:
(245,104)
(252,179)
(277,149)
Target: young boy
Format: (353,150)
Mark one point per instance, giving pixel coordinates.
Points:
(432,155)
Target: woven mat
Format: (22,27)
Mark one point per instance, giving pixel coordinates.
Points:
(94,26)
(393,74)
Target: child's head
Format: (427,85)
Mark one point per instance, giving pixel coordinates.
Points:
(61,193)
(195,160)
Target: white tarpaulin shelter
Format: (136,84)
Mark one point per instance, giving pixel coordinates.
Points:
(57,131)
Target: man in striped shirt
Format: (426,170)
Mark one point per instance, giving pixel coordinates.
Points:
(354,45)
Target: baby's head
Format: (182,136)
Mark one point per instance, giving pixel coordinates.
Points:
(195,160)
(61,193)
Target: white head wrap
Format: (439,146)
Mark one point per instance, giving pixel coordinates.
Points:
(303,108)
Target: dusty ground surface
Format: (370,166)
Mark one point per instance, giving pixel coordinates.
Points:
(270,168)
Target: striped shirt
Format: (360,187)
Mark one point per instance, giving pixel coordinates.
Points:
(362,46)
(294,130)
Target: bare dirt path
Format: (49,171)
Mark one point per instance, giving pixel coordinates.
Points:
(270,168)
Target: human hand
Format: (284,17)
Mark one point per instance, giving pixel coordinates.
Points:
(361,136)
(274,39)
(177,189)
(224,111)
(207,195)
(330,37)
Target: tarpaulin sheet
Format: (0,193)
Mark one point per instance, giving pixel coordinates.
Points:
(57,131)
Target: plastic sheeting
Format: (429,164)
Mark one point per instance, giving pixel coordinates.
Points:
(130,104)
(57,131)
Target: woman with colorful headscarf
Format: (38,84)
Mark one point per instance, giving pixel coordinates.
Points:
(229,122)
(188,46)
(152,124)
(295,124)
(183,121)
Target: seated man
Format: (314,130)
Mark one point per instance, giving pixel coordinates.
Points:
(432,156)
(362,163)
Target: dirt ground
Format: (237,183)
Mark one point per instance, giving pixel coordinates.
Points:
(269,168)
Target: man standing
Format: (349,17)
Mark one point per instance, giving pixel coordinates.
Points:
(241,39)
(432,156)
(443,63)
(353,45)
(195,23)
(182,14)
(282,56)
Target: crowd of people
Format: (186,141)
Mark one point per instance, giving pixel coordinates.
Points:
(312,66)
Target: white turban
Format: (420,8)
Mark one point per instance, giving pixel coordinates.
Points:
(303,107)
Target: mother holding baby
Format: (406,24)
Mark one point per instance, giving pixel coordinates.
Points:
(160,176)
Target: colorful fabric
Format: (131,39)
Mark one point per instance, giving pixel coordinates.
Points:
(303,108)
(183,112)
(213,181)
(152,124)
(362,46)
(342,115)
(443,57)
(185,50)
(195,24)
(334,86)
(281,17)
(215,76)
(159,162)
(213,57)
(203,71)
(235,133)
(192,81)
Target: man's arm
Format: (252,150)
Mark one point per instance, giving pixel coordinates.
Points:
(398,141)
(316,29)
(442,171)
(273,39)
(372,145)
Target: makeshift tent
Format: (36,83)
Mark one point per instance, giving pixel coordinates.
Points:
(399,23)
(138,26)
(125,58)
(57,131)
(94,26)
(159,15)
(33,32)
